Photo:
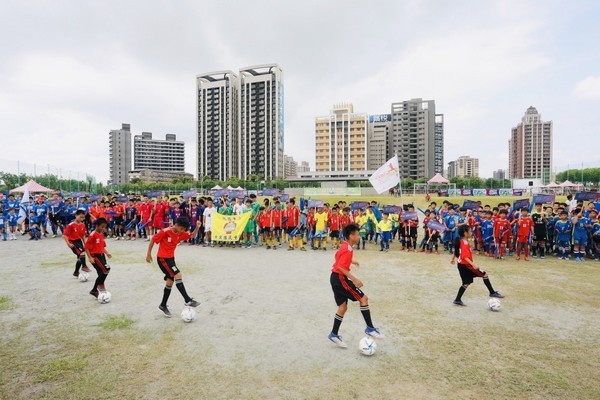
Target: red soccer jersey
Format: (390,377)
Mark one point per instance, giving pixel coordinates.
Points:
(168,240)
(74,231)
(276,217)
(464,251)
(525,226)
(145,211)
(95,243)
(293,217)
(501,228)
(264,220)
(343,258)
(310,219)
(345,220)
(119,210)
(334,222)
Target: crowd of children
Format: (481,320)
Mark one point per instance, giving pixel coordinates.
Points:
(561,229)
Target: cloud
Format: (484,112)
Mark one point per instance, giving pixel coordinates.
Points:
(587,89)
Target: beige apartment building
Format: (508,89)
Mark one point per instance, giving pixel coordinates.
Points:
(464,167)
(530,148)
(341,140)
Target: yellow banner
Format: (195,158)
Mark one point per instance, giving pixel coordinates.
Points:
(228,228)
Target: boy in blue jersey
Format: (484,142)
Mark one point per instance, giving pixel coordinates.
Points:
(562,233)
(41,211)
(596,235)
(551,218)
(450,222)
(12,219)
(55,208)
(2,222)
(581,225)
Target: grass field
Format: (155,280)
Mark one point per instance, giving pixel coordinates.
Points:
(262,325)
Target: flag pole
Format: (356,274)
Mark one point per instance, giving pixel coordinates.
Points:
(399,179)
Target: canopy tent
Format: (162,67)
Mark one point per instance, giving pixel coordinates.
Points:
(552,185)
(567,184)
(230,187)
(216,187)
(239,188)
(438,179)
(32,187)
(436,183)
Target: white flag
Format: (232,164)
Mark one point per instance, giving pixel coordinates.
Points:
(24,206)
(387,176)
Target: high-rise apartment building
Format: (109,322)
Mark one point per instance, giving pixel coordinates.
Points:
(120,154)
(290,166)
(417,138)
(260,122)
(499,174)
(379,132)
(464,167)
(218,146)
(303,166)
(341,140)
(158,155)
(530,148)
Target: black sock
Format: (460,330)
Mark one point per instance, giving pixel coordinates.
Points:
(366,312)
(542,248)
(77,266)
(166,294)
(461,291)
(534,250)
(337,321)
(100,280)
(181,288)
(97,283)
(487,283)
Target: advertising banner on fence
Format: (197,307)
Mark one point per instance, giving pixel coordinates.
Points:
(237,194)
(505,192)
(454,192)
(228,228)
(466,192)
(479,192)
(492,192)
(332,191)
(517,192)
(154,193)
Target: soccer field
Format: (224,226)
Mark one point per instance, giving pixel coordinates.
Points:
(261,330)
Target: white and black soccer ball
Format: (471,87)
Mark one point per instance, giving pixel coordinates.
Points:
(188,314)
(367,346)
(104,297)
(83,276)
(494,304)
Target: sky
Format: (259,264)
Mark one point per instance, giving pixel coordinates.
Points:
(72,71)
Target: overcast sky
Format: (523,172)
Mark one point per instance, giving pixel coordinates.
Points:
(72,70)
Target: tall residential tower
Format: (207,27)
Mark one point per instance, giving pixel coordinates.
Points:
(120,154)
(158,155)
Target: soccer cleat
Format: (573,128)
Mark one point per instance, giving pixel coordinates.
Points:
(542,257)
(94,293)
(374,332)
(268,247)
(380,249)
(290,248)
(302,248)
(85,268)
(75,274)
(497,295)
(458,303)
(165,311)
(53,236)
(518,258)
(192,303)
(337,339)
(526,258)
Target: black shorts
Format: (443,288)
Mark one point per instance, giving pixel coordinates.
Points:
(539,236)
(334,234)
(99,263)
(344,289)
(289,230)
(467,274)
(78,247)
(412,231)
(265,229)
(118,220)
(168,267)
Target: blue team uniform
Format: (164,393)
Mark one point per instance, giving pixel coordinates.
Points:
(12,219)
(580,231)
(563,230)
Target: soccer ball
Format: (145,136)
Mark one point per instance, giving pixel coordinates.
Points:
(188,314)
(83,276)
(494,304)
(104,297)
(367,346)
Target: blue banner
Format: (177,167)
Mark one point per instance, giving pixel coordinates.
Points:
(409,215)
(237,194)
(359,205)
(219,192)
(284,197)
(471,205)
(522,203)
(466,192)
(544,198)
(154,193)
(587,196)
(122,199)
(95,197)
(517,192)
(392,209)
(435,225)
(77,195)
(270,192)
(188,194)
(315,203)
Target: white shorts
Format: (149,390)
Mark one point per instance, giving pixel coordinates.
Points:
(208,227)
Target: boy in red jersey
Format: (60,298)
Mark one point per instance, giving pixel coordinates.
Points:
(73,236)
(466,267)
(276,218)
(264,225)
(291,219)
(145,214)
(502,229)
(346,286)
(524,229)
(167,240)
(334,228)
(95,248)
